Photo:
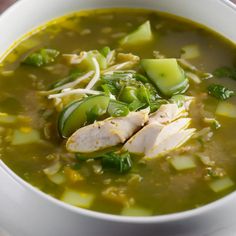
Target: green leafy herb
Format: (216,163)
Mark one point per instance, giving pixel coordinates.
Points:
(120,162)
(117,109)
(136,105)
(104,51)
(154,106)
(220,92)
(225,72)
(42,57)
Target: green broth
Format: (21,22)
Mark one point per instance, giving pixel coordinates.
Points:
(154,185)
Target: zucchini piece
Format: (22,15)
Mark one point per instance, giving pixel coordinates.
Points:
(79,112)
(25,136)
(221,184)
(183,162)
(78,199)
(190,52)
(166,74)
(142,34)
(226,109)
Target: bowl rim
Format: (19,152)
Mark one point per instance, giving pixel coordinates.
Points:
(179,216)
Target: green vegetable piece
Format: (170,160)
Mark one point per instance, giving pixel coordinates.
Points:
(225,72)
(136,105)
(87,64)
(25,136)
(222,184)
(105,51)
(220,92)
(155,105)
(42,57)
(117,109)
(226,109)
(120,162)
(77,114)
(167,75)
(183,162)
(128,94)
(143,34)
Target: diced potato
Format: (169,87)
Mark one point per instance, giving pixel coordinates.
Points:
(136,211)
(190,52)
(221,184)
(57,178)
(76,198)
(226,109)
(183,162)
(25,136)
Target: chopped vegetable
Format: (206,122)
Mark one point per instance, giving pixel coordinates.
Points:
(79,113)
(220,92)
(190,52)
(120,162)
(226,109)
(183,162)
(225,72)
(58,178)
(128,94)
(77,198)
(136,211)
(41,58)
(222,184)
(117,109)
(167,75)
(143,34)
(25,136)
(105,51)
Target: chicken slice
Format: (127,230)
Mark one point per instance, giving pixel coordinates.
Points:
(107,133)
(154,134)
(170,112)
(172,142)
(144,140)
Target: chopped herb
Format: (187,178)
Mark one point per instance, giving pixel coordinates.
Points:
(220,92)
(117,109)
(225,72)
(42,57)
(120,162)
(154,106)
(136,105)
(104,51)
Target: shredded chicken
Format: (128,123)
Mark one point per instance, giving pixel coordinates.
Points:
(107,133)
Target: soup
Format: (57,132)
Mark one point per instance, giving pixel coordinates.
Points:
(128,112)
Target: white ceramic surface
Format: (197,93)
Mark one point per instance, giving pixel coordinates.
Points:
(24,211)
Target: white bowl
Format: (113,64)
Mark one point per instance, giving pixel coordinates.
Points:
(25,211)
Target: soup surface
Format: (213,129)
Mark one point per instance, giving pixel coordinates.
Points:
(127,112)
